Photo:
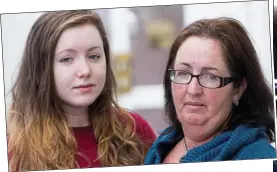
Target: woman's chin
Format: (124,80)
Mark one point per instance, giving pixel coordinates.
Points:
(193,119)
(197,134)
(84,102)
(80,104)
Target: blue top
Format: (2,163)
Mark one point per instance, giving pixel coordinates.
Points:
(240,144)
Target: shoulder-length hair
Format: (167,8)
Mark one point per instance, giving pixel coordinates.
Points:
(256,104)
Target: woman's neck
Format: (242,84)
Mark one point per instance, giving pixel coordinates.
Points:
(77,117)
(190,144)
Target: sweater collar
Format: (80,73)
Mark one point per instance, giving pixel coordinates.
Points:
(222,147)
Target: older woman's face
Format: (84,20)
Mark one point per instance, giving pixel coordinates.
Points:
(200,110)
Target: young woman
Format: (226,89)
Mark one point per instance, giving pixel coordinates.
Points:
(64,114)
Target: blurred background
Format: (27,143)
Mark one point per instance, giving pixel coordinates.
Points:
(140,40)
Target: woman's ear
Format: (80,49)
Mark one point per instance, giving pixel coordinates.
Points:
(240,90)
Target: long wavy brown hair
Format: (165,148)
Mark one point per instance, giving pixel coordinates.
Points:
(40,138)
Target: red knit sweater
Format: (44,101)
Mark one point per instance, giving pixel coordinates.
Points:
(87,144)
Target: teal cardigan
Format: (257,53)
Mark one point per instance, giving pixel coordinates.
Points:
(240,144)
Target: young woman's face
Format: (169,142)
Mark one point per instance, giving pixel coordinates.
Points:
(79,66)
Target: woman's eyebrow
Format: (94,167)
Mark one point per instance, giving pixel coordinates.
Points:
(70,50)
(93,48)
(206,68)
(184,64)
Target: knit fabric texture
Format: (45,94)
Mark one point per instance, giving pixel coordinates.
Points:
(240,144)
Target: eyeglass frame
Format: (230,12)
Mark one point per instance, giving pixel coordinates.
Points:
(223,80)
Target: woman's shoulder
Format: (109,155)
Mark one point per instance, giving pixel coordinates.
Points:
(143,128)
(168,135)
(260,149)
(141,123)
(251,143)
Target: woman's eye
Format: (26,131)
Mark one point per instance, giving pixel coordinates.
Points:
(94,57)
(182,73)
(67,59)
(210,77)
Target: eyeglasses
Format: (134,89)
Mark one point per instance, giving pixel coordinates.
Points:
(206,80)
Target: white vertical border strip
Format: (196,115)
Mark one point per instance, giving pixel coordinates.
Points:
(3,130)
(24,6)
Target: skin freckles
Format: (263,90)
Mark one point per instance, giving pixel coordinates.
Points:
(199,122)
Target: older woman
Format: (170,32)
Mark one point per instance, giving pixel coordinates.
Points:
(216,98)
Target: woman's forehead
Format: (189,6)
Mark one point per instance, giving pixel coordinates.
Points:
(80,36)
(200,52)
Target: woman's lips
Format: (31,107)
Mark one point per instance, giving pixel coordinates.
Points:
(84,88)
(194,105)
